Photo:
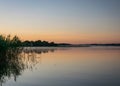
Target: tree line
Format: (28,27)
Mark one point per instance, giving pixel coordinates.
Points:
(7,42)
(13,42)
(38,43)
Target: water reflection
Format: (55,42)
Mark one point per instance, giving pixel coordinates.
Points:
(15,60)
(38,50)
(93,66)
(10,64)
(32,55)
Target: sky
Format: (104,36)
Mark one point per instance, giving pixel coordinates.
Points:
(68,21)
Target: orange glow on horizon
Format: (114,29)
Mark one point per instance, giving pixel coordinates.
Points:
(68,37)
(73,38)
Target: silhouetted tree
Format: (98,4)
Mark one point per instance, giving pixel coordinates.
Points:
(38,43)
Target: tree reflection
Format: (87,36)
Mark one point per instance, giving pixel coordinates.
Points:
(38,50)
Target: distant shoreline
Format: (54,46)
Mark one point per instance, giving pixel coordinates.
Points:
(75,45)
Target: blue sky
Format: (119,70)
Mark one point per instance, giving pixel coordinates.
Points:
(75,21)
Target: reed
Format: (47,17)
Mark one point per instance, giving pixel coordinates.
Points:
(7,42)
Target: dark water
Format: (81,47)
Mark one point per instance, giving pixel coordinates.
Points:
(83,66)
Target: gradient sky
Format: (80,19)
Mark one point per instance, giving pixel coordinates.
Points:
(73,21)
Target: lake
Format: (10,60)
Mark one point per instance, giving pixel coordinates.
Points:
(59,66)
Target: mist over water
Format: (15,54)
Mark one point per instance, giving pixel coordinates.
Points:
(59,66)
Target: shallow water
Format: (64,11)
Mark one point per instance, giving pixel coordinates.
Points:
(83,66)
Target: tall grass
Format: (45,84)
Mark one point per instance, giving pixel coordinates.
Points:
(7,42)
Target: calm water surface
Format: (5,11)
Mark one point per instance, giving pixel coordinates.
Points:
(83,66)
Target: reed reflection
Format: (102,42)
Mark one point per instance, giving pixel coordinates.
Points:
(11,64)
(14,61)
(32,55)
